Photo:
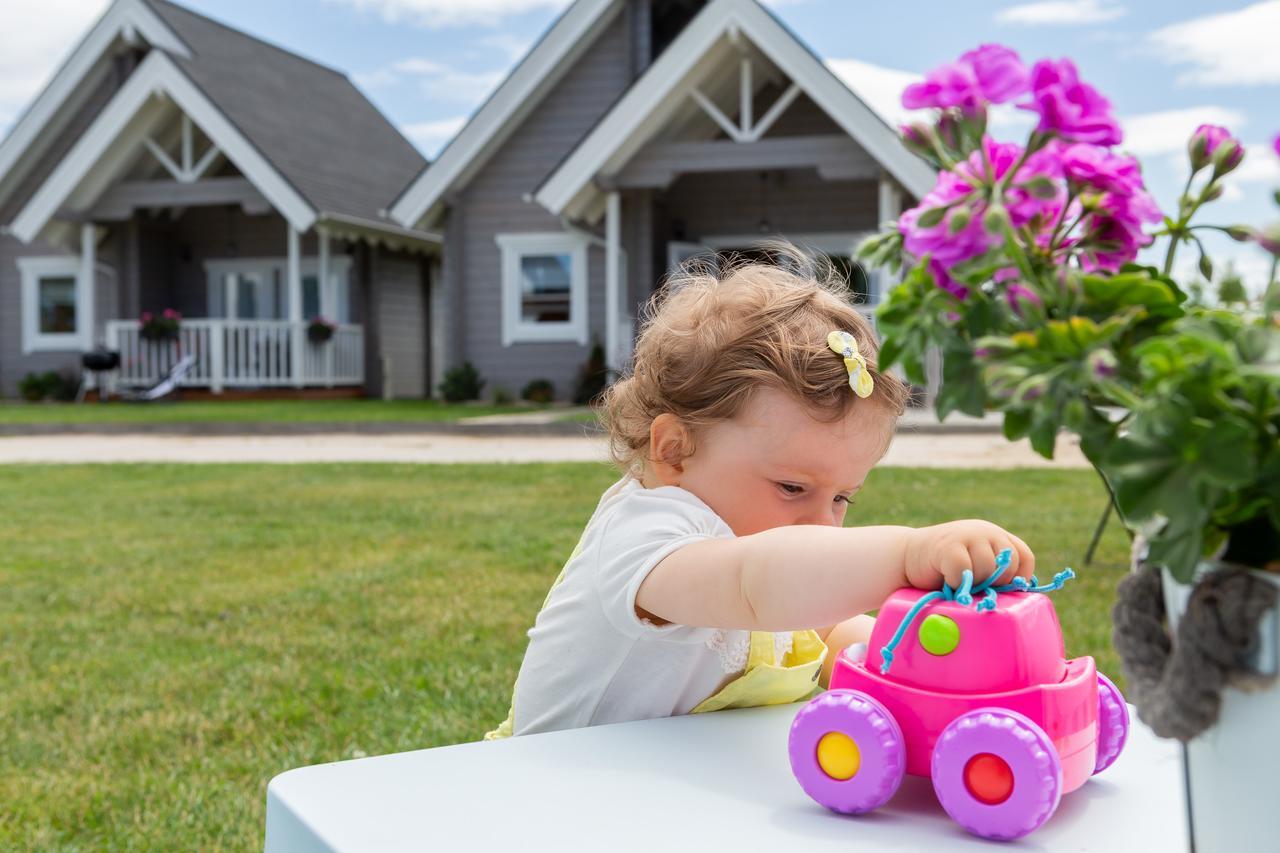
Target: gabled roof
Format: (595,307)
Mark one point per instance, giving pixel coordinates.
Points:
(300,131)
(513,100)
(309,121)
(640,112)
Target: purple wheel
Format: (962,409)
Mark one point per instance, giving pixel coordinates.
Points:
(847,751)
(1113,724)
(996,773)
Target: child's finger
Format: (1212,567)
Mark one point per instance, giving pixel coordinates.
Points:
(1015,559)
(983,559)
(1026,560)
(955,560)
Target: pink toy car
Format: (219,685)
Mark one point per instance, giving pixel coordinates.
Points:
(984,703)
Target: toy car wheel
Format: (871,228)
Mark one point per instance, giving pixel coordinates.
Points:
(996,773)
(847,751)
(1113,724)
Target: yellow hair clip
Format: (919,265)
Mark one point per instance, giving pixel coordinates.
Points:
(844,344)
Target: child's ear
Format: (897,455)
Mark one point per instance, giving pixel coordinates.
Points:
(669,444)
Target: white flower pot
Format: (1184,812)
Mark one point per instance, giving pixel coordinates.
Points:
(1231,769)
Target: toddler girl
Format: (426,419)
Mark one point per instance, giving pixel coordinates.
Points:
(717,572)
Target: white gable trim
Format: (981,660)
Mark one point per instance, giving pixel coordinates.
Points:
(157,75)
(513,100)
(642,111)
(124,18)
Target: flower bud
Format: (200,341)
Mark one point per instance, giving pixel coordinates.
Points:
(1198,151)
(996,219)
(1206,267)
(960,218)
(1102,363)
(1226,157)
(931,217)
(1240,233)
(1042,188)
(1213,191)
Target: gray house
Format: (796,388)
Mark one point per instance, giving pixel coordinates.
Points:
(176,163)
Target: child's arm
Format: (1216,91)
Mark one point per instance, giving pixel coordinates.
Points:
(794,577)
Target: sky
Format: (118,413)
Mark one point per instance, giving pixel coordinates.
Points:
(1166,65)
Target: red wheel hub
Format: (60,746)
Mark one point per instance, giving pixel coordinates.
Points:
(988,778)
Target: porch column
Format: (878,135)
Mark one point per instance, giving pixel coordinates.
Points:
(612,276)
(328,300)
(295,307)
(86,284)
(890,208)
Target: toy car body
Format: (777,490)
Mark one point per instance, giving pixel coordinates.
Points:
(984,703)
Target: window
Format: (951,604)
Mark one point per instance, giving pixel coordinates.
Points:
(52,304)
(258,289)
(544,287)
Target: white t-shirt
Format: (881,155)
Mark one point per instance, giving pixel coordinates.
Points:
(591,660)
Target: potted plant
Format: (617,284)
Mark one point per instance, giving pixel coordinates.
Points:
(1020,266)
(320,330)
(160,327)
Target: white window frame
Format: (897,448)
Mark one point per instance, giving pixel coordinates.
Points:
(32,271)
(217,269)
(516,247)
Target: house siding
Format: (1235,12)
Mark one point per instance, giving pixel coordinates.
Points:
(14,364)
(402,323)
(493,204)
(793,202)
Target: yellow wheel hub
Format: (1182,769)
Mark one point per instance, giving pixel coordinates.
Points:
(838,756)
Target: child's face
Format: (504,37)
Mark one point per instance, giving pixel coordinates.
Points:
(775,465)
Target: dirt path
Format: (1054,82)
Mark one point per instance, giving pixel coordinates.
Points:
(963,450)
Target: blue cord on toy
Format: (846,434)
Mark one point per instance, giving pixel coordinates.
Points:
(963,595)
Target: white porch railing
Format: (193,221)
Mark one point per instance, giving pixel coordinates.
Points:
(240,354)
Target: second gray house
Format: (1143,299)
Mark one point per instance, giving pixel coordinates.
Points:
(174,162)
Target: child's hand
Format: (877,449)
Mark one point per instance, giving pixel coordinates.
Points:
(944,551)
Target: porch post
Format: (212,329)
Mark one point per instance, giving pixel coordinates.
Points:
(328,301)
(295,307)
(612,276)
(86,284)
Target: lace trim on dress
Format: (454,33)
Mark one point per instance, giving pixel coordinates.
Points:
(734,647)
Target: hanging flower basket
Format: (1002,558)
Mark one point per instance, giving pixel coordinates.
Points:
(320,330)
(161,327)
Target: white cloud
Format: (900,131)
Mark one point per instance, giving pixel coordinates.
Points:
(1061,12)
(1167,131)
(450,13)
(511,46)
(1232,48)
(430,136)
(37,36)
(879,86)
(435,80)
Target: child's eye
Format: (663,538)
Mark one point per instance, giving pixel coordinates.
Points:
(844,499)
(791,488)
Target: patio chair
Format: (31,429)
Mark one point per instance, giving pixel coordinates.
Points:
(166,386)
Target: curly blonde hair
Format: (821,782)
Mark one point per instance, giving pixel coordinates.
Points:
(711,337)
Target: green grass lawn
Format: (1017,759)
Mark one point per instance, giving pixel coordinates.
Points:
(249,411)
(171,637)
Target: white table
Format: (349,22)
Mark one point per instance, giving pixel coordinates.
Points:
(715,781)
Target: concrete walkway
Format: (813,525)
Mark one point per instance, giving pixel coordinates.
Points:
(976,449)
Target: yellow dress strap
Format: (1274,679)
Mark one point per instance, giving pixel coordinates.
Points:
(768,681)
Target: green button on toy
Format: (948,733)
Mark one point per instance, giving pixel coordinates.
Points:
(939,635)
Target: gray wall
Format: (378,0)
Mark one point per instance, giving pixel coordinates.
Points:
(402,323)
(493,204)
(13,364)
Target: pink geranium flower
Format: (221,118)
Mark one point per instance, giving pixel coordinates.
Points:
(948,242)
(1069,107)
(991,74)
